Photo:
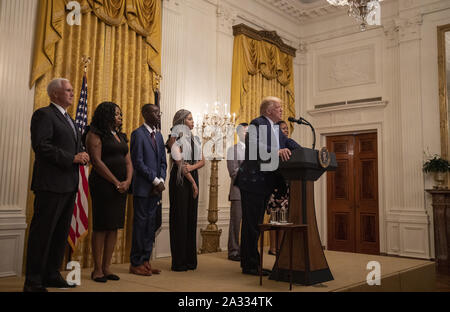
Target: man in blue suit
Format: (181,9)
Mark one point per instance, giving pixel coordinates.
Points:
(149,164)
(257,177)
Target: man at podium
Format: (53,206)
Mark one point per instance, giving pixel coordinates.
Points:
(257,179)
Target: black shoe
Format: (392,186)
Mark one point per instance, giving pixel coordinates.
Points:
(267,271)
(102,279)
(234,258)
(255,272)
(34,288)
(58,282)
(112,277)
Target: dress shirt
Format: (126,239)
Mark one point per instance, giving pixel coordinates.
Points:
(276,131)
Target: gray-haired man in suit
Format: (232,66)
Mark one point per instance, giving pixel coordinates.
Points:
(235,156)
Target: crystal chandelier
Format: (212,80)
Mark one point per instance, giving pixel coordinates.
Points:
(368,12)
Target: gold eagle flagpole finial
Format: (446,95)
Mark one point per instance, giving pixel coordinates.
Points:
(85,61)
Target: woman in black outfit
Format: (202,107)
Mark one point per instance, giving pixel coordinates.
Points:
(186,159)
(109,181)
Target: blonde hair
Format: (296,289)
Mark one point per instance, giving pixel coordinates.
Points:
(267,102)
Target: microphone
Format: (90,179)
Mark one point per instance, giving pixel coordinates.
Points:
(300,121)
(303,121)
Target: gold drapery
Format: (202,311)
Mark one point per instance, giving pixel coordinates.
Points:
(142,16)
(123,39)
(260,69)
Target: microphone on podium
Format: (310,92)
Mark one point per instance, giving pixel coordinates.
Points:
(303,121)
(300,121)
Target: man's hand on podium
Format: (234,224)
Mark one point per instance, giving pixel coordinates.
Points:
(285,154)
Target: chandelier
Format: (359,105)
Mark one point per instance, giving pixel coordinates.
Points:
(367,12)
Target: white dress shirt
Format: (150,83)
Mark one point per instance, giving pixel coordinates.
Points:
(60,108)
(276,131)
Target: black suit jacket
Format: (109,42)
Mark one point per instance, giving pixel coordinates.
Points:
(250,177)
(55,146)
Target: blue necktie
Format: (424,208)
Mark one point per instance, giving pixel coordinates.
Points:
(69,120)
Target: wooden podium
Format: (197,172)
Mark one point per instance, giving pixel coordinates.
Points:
(302,169)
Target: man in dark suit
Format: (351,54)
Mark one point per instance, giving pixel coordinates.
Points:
(58,152)
(149,164)
(235,157)
(257,177)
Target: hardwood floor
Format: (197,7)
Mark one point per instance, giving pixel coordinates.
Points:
(442,280)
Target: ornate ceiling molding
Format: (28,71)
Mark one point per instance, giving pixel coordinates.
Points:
(302,12)
(268,36)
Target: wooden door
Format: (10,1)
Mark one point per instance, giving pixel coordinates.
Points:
(352,194)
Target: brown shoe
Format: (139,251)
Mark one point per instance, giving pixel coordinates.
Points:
(140,270)
(149,268)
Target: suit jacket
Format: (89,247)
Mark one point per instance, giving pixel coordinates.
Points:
(148,162)
(250,177)
(235,157)
(55,146)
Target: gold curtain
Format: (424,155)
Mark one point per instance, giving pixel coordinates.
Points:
(123,39)
(260,69)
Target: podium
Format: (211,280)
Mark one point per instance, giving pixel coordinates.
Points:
(303,168)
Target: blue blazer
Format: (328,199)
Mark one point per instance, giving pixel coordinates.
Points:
(250,177)
(148,162)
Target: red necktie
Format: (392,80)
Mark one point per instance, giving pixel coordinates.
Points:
(152,136)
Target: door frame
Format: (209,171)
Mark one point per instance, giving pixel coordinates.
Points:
(320,196)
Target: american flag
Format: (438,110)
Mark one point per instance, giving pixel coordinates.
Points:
(79,224)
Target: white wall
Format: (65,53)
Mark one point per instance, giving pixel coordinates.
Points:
(17,21)
(398,62)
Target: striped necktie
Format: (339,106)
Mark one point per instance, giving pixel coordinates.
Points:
(152,136)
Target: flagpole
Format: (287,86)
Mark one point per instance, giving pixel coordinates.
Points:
(80,213)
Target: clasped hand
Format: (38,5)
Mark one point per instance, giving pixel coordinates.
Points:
(187,168)
(123,186)
(81,158)
(158,189)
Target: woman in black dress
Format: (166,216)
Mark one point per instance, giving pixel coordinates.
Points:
(186,159)
(109,181)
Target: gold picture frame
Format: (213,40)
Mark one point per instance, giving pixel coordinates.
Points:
(443,91)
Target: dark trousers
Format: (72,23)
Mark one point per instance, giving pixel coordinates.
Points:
(253,209)
(47,238)
(183,223)
(143,229)
(234,228)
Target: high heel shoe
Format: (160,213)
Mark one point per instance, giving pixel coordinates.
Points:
(98,279)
